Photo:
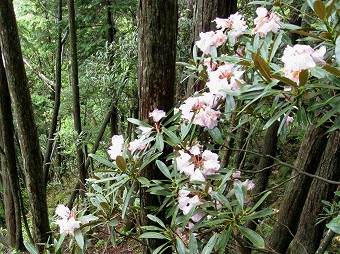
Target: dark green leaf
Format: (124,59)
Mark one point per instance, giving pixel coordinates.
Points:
(159,142)
(156,219)
(102,160)
(79,239)
(31,248)
(163,168)
(193,247)
(334,225)
(216,135)
(152,235)
(329,114)
(127,200)
(138,122)
(260,201)
(261,214)
(254,237)
(173,138)
(180,246)
(210,245)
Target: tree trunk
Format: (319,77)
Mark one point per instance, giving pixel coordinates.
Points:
(75,93)
(157,34)
(309,235)
(8,166)
(57,89)
(26,127)
(296,192)
(205,11)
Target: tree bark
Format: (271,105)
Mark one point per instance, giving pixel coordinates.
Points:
(157,34)
(8,166)
(57,89)
(309,235)
(205,11)
(308,158)
(75,93)
(26,127)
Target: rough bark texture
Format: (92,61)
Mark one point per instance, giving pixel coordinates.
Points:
(309,235)
(205,11)
(10,179)
(157,36)
(269,147)
(57,89)
(296,192)
(75,92)
(26,127)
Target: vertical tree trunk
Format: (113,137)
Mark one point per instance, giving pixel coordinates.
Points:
(296,192)
(205,11)
(26,127)
(157,34)
(10,178)
(309,235)
(57,89)
(75,93)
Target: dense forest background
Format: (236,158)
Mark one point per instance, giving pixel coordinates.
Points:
(75,73)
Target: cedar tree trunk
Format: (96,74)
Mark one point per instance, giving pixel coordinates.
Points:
(308,158)
(309,235)
(157,34)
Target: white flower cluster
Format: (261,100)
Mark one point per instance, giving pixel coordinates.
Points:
(300,57)
(196,164)
(68,222)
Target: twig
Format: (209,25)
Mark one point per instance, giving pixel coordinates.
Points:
(287,165)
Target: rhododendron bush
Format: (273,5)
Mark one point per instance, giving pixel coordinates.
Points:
(251,71)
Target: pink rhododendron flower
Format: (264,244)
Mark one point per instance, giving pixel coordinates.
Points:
(209,39)
(266,22)
(300,57)
(186,203)
(198,216)
(200,110)
(68,222)
(117,146)
(146,131)
(197,164)
(226,77)
(211,165)
(137,144)
(63,211)
(235,24)
(157,115)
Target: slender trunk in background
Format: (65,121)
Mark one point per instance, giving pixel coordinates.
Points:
(308,158)
(26,127)
(111,32)
(10,178)
(57,89)
(157,35)
(75,93)
(309,234)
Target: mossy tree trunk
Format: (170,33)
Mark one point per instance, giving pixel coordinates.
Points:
(296,192)
(10,178)
(75,94)
(26,127)
(309,234)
